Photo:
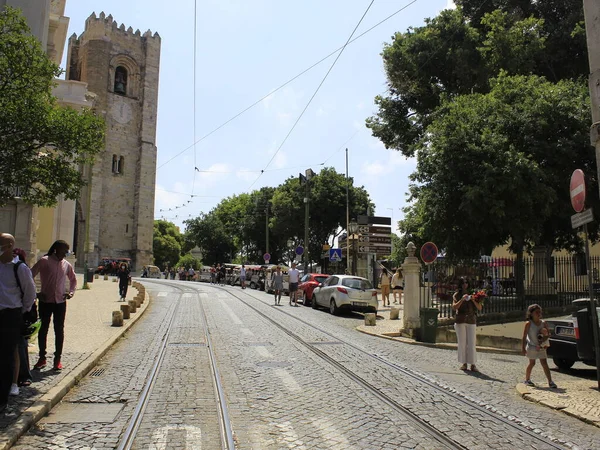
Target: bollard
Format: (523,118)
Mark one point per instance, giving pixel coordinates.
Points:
(137,301)
(117,319)
(105,277)
(132,306)
(141,297)
(370,319)
(96,276)
(114,280)
(394,313)
(125,311)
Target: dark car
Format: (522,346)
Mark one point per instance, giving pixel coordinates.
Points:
(307,285)
(571,338)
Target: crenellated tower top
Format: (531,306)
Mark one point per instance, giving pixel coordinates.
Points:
(103,25)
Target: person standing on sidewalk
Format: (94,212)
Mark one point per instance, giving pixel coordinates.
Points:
(123,276)
(54,271)
(294,275)
(465,325)
(13,304)
(384,282)
(397,286)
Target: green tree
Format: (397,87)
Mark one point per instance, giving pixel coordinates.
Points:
(456,54)
(208,232)
(188,261)
(498,165)
(41,144)
(167,243)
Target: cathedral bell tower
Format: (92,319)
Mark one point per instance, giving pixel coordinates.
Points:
(121,68)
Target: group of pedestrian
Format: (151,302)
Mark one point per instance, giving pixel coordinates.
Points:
(395,282)
(17,305)
(534,342)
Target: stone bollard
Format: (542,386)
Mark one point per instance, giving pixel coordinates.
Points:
(117,319)
(142,297)
(394,313)
(105,277)
(96,276)
(132,306)
(137,301)
(125,311)
(114,280)
(370,319)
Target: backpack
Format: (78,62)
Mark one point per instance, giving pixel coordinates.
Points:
(30,316)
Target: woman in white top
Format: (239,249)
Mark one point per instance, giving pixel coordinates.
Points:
(397,286)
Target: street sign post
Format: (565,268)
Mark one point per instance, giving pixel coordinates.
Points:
(299,250)
(577,191)
(373,220)
(429,252)
(267,257)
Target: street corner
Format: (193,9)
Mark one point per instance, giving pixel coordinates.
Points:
(579,399)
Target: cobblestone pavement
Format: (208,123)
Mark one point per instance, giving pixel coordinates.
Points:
(280,394)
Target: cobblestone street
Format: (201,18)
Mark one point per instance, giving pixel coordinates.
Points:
(282,394)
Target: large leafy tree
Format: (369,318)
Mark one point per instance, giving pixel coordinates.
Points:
(497,168)
(167,243)
(327,209)
(41,144)
(208,232)
(458,52)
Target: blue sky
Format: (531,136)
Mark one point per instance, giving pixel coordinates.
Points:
(244,50)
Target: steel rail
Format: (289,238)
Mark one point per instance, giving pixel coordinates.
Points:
(414,375)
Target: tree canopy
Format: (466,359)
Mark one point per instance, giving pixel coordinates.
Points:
(41,144)
(167,243)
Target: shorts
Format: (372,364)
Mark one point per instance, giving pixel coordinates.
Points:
(398,288)
(242,278)
(293,287)
(533,353)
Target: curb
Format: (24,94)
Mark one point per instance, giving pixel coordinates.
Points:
(46,402)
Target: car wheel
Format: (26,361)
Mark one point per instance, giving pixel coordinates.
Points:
(314,303)
(563,363)
(333,309)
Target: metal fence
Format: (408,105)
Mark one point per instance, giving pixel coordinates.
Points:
(550,282)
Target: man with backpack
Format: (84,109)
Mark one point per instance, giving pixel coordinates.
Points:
(17,294)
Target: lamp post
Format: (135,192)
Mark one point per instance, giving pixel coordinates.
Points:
(353,229)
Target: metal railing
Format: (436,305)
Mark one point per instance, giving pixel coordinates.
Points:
(550,282)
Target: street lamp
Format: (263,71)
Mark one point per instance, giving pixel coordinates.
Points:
(353,229)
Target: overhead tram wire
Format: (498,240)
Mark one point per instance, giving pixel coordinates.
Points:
(287,82)
(314,94)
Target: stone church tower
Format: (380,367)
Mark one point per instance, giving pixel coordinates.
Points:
(121,68)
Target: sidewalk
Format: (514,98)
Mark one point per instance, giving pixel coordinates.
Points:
(88,336)
(579,398)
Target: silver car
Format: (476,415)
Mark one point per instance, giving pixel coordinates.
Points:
(346,292)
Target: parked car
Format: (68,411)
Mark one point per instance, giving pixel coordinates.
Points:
(345,292)
(571,338)
(307,285)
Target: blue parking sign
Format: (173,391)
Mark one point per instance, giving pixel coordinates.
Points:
(335,254)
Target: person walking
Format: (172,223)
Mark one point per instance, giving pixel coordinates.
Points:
(384,282)
(465,325)
(17,294)
(534,343)
(397,286)
(243,276)
(294,276)
(54,271)
(213,274)
(277,285)
(123,276)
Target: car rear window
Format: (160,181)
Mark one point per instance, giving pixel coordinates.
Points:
(321,279)
(356,283)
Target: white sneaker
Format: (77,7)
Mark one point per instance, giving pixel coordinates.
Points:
(14,389)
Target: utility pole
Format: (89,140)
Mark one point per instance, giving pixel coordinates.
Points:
(267,224)
(591,10)
(347,216)
(305,179)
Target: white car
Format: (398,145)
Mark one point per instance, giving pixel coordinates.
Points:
(346,292)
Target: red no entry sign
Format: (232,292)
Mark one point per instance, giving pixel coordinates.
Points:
(429,252)
(577,189)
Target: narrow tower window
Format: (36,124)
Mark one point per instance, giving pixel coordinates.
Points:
(121,164)
(115,164)
(120,81)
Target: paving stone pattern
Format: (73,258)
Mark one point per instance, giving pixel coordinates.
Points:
(281,395)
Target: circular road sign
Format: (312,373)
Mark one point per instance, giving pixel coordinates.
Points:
(267,257)
(577,189)
(429,252)
(299,250)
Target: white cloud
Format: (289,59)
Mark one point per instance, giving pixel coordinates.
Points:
(394,161)
(450,5)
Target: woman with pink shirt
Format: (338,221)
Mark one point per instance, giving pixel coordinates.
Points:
(54,271)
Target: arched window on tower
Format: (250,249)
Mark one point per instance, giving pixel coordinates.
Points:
(120,81)
(115,164)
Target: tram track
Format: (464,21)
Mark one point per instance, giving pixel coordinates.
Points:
(226,433)
(425,427)
(455,395)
